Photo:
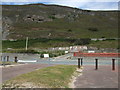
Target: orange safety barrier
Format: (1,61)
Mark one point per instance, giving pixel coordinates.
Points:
(78,54)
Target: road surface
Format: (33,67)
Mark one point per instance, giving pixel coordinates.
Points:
(104,77)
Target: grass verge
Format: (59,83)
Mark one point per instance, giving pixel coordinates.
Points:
(105,44)
(8,63)
(51,77)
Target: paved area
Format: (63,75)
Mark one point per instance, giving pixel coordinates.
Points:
(104,77)
(11,72)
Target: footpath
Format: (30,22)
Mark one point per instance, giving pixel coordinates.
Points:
(104,77)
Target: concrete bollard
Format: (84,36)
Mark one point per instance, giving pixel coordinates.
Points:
(96,64)
(113,64)
(16,59)
(78,62)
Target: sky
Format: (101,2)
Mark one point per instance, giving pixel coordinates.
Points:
(82,4)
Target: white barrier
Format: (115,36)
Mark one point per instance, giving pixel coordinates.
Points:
(27,61)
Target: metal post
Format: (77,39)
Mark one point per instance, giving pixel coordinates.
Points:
(78,62)
(96,64)
(16,59)
(81,61)
(4,61)
(113,64)
(7,58)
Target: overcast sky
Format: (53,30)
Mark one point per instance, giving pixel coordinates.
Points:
(82,4)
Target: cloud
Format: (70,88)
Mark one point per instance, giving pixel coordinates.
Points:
(59,0)
(101,6)
(83,4)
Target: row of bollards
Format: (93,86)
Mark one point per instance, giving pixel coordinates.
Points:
(80,63)
(6,58)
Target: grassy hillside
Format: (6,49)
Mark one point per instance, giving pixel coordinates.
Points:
(105,44)
(48,43)
(52,21)
(42,43)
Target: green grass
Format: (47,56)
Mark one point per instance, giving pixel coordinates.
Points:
(8,63)
(43,43)
(51,77)
(105,44)
(37,43)
(59,27)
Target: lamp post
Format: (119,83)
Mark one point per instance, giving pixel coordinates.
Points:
(26,43)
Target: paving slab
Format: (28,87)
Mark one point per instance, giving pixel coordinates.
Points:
(104,77)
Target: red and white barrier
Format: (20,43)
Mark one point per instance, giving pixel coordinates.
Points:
(79,54)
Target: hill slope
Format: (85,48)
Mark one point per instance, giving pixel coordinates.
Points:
(52,21)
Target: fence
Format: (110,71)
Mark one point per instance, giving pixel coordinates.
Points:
(78,54)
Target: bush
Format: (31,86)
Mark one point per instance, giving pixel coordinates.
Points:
(41,56)
(51,55)
(63,53)
(27,51)
(69,30)
(82,41)
(52,17)
(93,29)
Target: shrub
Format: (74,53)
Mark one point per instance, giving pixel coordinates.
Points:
(69,30)
(93,29)
(52,17)
(28,51)
(41,56)
(82,41)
